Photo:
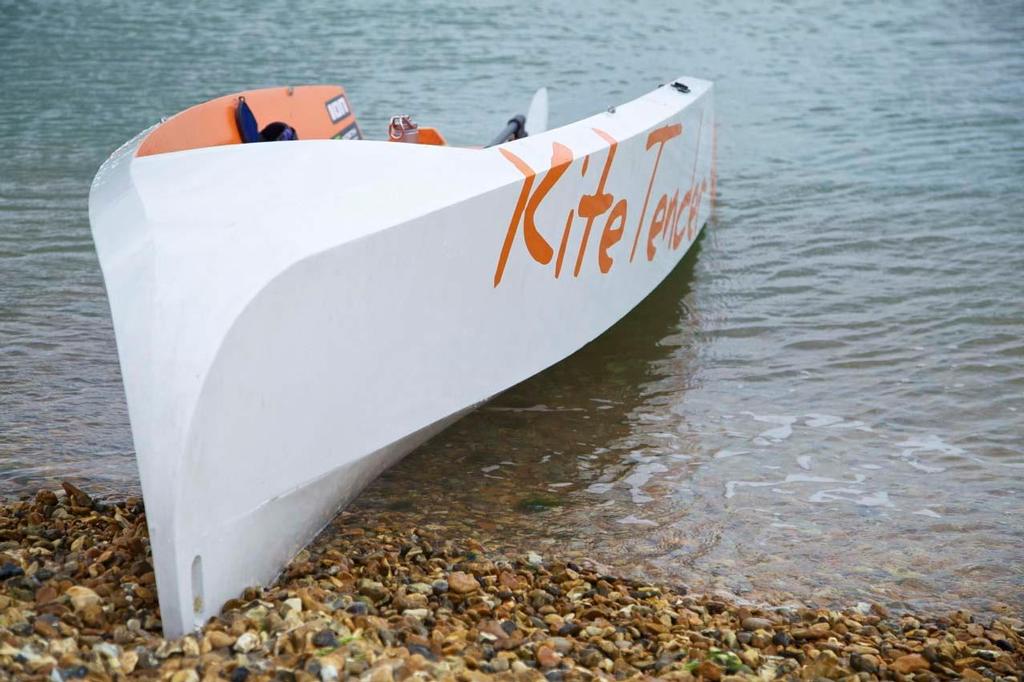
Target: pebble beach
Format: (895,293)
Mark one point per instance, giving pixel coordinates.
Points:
(372,599)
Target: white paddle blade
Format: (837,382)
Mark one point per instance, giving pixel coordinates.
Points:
(537,115)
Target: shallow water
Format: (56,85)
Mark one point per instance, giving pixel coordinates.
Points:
(825,400)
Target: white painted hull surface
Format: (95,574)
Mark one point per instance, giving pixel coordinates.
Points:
(292,319)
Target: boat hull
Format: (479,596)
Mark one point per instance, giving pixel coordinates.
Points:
(292,319)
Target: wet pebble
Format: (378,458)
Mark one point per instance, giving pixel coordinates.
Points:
(462,583)
(358,608)
(782,639)
(753,623)
(10,570)
(246,642)
(325,638)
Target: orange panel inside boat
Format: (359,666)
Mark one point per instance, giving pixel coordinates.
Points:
(316,112)
(431,136)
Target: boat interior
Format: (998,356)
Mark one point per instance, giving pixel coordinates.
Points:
(308,112)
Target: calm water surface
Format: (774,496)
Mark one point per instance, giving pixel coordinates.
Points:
(826,400)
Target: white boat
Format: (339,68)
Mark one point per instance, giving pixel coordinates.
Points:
(291,319)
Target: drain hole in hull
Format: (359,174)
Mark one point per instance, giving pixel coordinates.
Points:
(197,585)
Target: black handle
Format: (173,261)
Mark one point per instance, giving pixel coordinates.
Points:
(514,130)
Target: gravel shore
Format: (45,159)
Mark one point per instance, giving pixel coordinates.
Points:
(378,602)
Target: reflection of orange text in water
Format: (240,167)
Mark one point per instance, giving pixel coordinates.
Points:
(664,221)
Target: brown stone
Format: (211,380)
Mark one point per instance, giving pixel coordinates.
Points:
(864,663)
(92,615)
(45,629)
(825,665)
(816,631)
(760,639)
(751,657)
(462,583)
(547,657)
(46,594)
(381,673)
(753,623)
(508,580)
(413,601)
(590,657)
(82,596)
(128,660)
(187,675)
(709,671)
(219,640)
(911,663)
(77,495)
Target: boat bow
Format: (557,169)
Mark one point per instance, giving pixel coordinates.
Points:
(293,318)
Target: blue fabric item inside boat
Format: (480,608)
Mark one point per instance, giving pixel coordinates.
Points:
(248,129)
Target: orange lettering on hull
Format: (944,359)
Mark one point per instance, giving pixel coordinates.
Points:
(565,241)
(657,225)
(657,137)
(540,250)
(561,157)
(611,235)
(666,222)
(593,205)
(524,194)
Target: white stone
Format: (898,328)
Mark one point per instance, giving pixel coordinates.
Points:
(246,642)
(82,597)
